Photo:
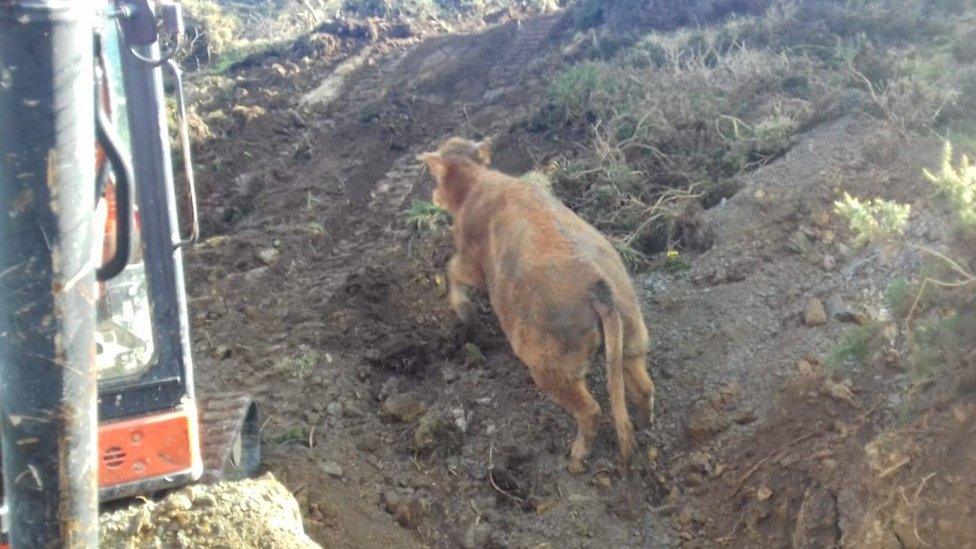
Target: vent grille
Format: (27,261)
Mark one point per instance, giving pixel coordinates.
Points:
(114,457)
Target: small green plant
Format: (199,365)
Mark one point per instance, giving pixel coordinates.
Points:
(853,348)
(899,297)
(673,262)
(633,259)
(589,90)
(930,343)
(873,220)
(300,366)
(958,185)
(425,217)
(290,434)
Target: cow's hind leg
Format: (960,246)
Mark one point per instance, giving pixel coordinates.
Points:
(572,394)
(640,387)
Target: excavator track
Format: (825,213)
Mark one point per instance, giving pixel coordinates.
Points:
(229,436)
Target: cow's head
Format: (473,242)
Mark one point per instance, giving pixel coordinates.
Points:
(446,163)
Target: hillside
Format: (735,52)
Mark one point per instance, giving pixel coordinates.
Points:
(814,355)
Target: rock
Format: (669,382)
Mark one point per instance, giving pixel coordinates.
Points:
(838,309)
(255,273)
(403,407)
(602,481)
(268,256)
(389,387)
(334,409)
(204,501)
(478,535)
(352,411)
(814,313)
(816,521)
(805,368)
(653,453)
(473,357)
(460,419)
(744,417)
(180,502)
(763,493)
(448,374)
(839,392)
(332,469)
(799,243)
(407,511)
(829,262)
(436,432)
(706,421)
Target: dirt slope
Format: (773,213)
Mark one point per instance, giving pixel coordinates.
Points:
(392,433)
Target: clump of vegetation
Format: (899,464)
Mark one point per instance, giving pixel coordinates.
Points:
(873,220)
(301,366)
(958,185)
(698,106)
(854,347)
(291,434)
(211,30)
(423,216)
(899,296)
(933,342)
(428,246)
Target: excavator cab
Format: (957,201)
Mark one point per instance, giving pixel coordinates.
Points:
(154,431)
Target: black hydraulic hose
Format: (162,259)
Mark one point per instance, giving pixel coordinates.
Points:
(123,196)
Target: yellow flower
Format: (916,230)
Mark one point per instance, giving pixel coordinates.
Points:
(672,254)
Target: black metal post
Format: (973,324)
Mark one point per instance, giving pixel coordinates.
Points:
(47,179)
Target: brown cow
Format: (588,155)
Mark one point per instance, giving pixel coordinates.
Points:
(557,285)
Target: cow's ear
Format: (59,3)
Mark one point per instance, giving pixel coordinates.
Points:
(484,150)
(436,163)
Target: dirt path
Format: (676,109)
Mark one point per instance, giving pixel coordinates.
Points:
(392,433)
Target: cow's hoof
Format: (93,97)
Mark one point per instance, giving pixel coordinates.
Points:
(576,467)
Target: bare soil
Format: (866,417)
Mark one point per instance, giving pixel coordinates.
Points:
(393,431)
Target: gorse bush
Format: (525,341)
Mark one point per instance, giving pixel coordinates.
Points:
(958,185)
(873,220)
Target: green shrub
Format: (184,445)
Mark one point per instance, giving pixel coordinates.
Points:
(958,185)
(588,91)
(853,348)
(899,296)
(873,220)
(931,343)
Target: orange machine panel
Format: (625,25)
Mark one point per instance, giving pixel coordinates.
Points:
(147,447)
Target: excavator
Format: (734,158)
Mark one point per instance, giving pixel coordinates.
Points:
(97,397)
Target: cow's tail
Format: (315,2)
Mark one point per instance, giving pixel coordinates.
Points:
(613,338)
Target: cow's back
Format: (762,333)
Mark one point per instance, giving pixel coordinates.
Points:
(541,262)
